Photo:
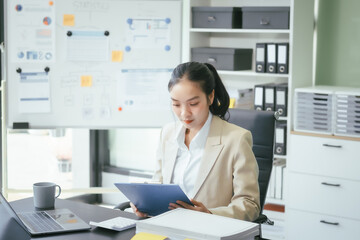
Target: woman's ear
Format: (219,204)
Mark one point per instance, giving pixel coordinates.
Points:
(211,97)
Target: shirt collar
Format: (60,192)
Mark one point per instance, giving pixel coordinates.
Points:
(199,140)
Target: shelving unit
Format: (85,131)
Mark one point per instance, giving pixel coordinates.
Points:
(246,31)
(252,74)
(323,179)
(236,38)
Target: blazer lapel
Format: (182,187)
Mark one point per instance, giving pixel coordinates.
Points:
(212,150)
(171,149)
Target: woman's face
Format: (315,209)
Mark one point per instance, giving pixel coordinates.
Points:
(190,104)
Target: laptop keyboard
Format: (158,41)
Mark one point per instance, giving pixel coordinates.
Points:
(40,222)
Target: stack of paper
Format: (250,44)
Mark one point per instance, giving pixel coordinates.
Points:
(347,113)
(182,223)
(314,109)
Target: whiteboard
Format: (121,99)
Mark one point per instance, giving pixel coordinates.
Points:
(90,63)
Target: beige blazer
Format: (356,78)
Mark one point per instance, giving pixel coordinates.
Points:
(227,182)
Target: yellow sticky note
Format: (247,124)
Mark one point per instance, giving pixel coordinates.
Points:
(117,56)
(232,103)
(148,236)
(86,81)
(69,20)
(72,220)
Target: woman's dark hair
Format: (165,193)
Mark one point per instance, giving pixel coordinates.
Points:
(208,79)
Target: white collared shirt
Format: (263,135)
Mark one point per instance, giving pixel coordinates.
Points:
(188,160)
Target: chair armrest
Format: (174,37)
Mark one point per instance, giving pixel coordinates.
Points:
(263,219)
(122,206)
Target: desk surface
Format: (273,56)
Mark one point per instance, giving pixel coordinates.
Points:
(88,212)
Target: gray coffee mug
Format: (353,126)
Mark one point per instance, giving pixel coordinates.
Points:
(44,195)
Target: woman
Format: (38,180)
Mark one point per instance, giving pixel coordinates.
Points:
(211,159)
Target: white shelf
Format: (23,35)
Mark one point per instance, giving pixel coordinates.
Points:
(280,156)
(274,201)
(282,118)
(252,74)
(226,30)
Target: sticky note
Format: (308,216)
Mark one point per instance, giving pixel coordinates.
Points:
(86,81)
(72,220)
(117,56)
(148,236)
(69,20)
(232,103)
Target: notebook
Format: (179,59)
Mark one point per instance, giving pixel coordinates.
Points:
(152,199)
(45,222)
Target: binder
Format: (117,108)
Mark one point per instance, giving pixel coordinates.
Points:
(271,58)
(260,57)
(259,97)
(280,137)
(279,189)
(282,58)
(271,188)
(270,97)
(152,199)
(281,99)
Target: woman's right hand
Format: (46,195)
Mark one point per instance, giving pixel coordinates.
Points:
(137,212)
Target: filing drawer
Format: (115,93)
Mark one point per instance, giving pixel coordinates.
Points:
(324,156)
(265,17)
(332,196)
(216,17)
(224,58)
(307,225)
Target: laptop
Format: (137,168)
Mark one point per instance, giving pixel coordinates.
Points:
(45,222)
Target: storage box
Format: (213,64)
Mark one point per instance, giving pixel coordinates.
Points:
(216,17)
(224,58)
(265,17)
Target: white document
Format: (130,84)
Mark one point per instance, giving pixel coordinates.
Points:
(143,89)
(87,46)
(148,33)
(34,92)
(33,30)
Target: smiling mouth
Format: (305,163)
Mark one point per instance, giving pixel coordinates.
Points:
(188,121)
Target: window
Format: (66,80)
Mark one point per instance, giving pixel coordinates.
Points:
(41,156)
(134,148)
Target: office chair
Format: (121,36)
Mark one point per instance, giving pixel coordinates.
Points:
(261,124)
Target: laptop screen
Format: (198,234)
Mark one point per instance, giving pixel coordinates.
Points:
(10,225)
(10,211)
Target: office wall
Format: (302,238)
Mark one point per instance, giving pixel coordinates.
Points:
(338,43)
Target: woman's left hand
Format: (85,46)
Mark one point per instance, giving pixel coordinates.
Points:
(198,206)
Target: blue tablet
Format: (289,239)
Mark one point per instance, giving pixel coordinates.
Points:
(152,199)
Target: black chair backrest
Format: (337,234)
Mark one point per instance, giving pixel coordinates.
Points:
(262,126)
